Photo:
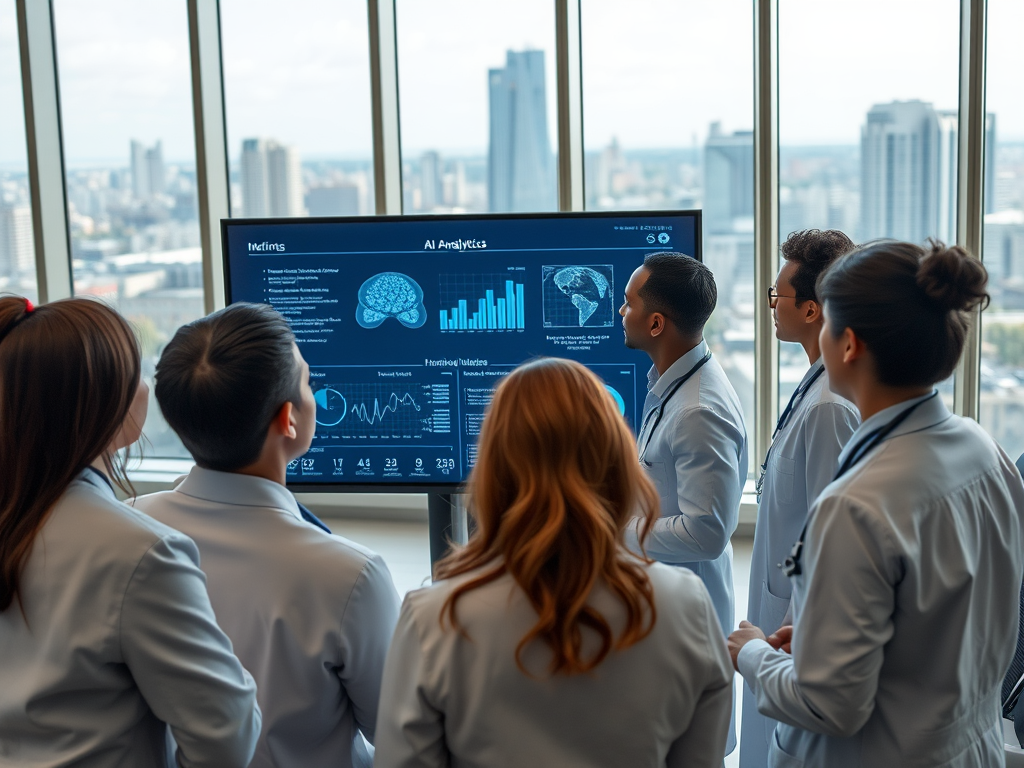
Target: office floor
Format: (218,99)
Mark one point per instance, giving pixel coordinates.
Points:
(404,547)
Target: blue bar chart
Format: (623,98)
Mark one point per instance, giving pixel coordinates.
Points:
(489,302)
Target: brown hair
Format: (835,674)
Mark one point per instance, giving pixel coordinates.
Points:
(68,373)
(813,251)
(556,481)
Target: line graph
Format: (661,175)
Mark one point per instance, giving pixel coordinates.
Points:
(361,412)
(406,410)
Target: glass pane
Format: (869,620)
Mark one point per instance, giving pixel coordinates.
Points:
(665,130)
(300,135)
(478,105)
(1002,351)
(867,138)
(126,107)
(17,254)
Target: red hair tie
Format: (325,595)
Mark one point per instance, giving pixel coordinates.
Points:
(29,307)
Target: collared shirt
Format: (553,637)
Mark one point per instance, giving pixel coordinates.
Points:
(453,699)
(697,458)
(802,461)
(906,610)
(117,643)
(310,613)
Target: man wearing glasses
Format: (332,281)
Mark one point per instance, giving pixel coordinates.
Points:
(802,460)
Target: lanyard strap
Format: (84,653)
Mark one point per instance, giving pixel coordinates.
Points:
(660,408)
(795,398)
(792,565)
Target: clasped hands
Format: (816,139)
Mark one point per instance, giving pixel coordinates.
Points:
(780,640)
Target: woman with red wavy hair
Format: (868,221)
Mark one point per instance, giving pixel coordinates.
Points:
(544,641)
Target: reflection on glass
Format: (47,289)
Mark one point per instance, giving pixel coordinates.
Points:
(127,116)
(867,143)
(17,254)
(478,108)
(298,110)
(665,130)
(1002,351)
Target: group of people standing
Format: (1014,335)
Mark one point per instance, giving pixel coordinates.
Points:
(585,623)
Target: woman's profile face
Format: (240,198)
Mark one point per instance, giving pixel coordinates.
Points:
(832,349)
(131,427)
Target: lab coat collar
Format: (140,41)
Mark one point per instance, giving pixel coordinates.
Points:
(928,415)
(658,385)
(93,477)
(231,488)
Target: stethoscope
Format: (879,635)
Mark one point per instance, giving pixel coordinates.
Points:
(794,400)
(791,566)
(660,408)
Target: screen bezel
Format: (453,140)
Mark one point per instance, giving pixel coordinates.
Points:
(454,487)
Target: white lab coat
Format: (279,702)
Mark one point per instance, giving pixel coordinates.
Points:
(803,460)
(459,701)
(310,613)
(906,611)
(120,639)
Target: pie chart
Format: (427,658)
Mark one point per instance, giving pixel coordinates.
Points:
(331,407)
(618,399)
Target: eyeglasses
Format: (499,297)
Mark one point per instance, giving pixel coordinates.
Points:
(773,297)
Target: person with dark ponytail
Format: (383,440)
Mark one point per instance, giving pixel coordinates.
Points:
(907,575)
(107,636)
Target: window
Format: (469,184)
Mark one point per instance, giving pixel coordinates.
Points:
(1002,351)
(668,123)
(298,110)
(868,99)
(478,114)
(17,254)
(126,105)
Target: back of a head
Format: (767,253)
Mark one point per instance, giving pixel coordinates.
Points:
(813,251)
(680,288)
(908,304)
(69,371)
(221,380)
(555,482)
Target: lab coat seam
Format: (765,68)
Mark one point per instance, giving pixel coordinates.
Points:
(124,596)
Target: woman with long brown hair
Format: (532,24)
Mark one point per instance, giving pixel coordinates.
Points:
(544,641)
(106,630)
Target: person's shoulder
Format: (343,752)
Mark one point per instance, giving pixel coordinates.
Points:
(674,585)
(96,511)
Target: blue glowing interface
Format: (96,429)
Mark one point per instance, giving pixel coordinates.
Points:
(409,323)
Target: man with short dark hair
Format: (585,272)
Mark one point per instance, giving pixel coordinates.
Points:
(692,439)
(310,614)
(802,460)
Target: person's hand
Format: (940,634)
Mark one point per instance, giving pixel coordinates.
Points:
(781,639)
(741,637)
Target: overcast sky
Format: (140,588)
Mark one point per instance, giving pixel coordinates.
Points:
(656,72)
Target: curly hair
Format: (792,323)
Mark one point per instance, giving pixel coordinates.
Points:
(813,251)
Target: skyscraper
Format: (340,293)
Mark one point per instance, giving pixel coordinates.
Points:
(520,164)
(15,239)
(271,179)
(431,181)
(908,172)
(147,170)
(728,180)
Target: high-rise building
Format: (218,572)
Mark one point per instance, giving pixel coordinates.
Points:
(340,199)
(15,239)
(520,164)
(271,179)
(909,171)
(431,181)
(728,180)
(147,170)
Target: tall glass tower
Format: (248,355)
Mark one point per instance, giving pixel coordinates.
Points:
(520,164)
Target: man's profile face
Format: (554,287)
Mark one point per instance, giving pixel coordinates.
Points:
(635,318)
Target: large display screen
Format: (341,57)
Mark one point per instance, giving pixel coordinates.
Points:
(408,324)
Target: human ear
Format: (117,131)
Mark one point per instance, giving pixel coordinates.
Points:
(284,422)
(812,312)
(853,347)
(657,324)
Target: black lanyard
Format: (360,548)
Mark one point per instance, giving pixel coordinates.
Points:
(102,477)
(660,408)
(792,565)
(796,397)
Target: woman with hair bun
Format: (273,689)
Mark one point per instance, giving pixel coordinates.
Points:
(907,576)
(107,636)
(546,642)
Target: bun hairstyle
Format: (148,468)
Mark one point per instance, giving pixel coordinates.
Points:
(69,371)
(908,304)
(556,481)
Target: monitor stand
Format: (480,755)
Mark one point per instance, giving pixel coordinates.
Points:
(448,523)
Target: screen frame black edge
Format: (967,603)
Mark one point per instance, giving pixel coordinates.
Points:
(434,487)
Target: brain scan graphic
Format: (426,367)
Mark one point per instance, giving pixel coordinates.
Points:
(588,290)
(391,294)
